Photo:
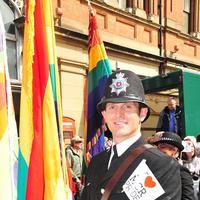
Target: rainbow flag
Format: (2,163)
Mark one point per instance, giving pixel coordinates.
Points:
(99,71)
(42,165)
(8,129)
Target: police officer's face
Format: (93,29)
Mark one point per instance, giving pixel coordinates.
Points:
(124,119)
(168,149)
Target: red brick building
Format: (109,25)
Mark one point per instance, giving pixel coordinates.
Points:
(150,37)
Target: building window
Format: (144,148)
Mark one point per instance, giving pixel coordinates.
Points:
(129,4)
(7,11)
(12,53)
(146,6)
(187,16)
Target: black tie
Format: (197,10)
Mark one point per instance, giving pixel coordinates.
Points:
(114,158)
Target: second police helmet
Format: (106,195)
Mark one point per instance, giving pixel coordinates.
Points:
(170,138)
(123,86)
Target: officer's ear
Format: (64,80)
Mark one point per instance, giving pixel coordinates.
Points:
(103,114)
(143,113)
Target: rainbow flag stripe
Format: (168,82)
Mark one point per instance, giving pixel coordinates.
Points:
(8,129)
(42,165)
(99,71)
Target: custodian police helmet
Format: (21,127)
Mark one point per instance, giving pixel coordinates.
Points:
(170,138)
(123,86)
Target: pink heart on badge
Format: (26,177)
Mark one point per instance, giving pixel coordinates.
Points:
(149,182)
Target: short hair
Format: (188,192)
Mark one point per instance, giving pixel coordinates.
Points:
(198,138)
(171,98)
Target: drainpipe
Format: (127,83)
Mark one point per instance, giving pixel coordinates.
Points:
(160,38)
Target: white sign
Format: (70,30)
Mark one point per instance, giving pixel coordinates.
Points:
(142,184)
(187,147)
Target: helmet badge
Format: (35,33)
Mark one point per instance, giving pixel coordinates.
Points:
(119,84)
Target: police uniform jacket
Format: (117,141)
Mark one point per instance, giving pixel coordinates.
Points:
(164,168)
(187,184)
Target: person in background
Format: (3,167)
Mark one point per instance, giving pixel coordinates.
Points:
(124,109)
(70,180)
(192,162)
(74,155)
(171,144)
(170,118)
(108,142)
(198,145)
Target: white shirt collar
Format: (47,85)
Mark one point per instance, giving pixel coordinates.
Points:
(123,146)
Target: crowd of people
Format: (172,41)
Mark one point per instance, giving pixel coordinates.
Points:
(185,152)
(164,166)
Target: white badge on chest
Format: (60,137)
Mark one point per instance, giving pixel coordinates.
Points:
(142,184)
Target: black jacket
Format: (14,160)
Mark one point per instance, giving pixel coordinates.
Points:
(165,169)
(187,184)
(163,121)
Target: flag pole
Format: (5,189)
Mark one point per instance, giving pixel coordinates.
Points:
(98,71)
(91,10)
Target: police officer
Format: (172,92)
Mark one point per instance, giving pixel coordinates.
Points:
(124,109)
(171,144)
